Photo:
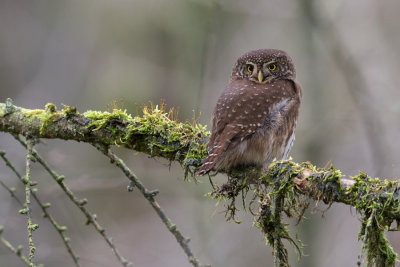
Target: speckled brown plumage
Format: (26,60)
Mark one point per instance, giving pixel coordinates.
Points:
(255,117)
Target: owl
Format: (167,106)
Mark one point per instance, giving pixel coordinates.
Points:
(256,115)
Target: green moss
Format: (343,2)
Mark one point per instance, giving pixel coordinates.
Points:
(156,132)
(3,111)
(50,108)
(379,252)
(101,120)
(377,201)
(69,111)
(287,187)
(33,112)
(48,116)
(169,137)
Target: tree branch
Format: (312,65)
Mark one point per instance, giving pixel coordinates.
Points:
(154,133)
(44,206)
(287,186)
(80,203)
(149,195)
(28,211)
(17,251)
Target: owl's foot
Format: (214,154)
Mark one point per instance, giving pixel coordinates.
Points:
(265,169)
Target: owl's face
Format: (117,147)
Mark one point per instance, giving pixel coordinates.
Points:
(263,66)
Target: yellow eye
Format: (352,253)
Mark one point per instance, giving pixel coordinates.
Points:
(250,68)
(272,66)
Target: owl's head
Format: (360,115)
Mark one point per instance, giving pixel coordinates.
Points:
(263,66)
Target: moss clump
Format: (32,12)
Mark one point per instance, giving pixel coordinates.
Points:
(377,201)
(105,119)
(169,137)
(156,133)
(280,193)
(48,116)
(69,111)
(276,195)
(50,108)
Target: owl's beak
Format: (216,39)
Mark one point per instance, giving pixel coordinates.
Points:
(260,76)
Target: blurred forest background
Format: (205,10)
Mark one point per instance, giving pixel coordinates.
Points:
(89,53)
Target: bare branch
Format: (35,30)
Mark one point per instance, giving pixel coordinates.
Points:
(149,195)
(28,211)
(91,218)
(44,207)
(11,191)
(16,251)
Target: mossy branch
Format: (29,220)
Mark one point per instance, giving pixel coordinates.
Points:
(286,186)
(154,133)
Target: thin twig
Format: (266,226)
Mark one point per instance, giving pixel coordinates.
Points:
(43,206)
(11,191)
(17,251)
(91,218)
(27,181)
(149,195)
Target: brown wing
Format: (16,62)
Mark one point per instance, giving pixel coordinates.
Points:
(241,110)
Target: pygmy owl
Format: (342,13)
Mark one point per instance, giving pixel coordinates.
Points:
(256,115)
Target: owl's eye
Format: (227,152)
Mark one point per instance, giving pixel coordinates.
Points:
(272,66)
(250,68)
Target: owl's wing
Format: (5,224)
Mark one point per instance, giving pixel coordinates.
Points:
(217,145)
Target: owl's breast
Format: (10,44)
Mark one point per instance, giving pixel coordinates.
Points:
(273,139)
(265,115)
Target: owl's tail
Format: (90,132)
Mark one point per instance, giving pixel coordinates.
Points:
(220,145)
(208,164)
(213,156)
